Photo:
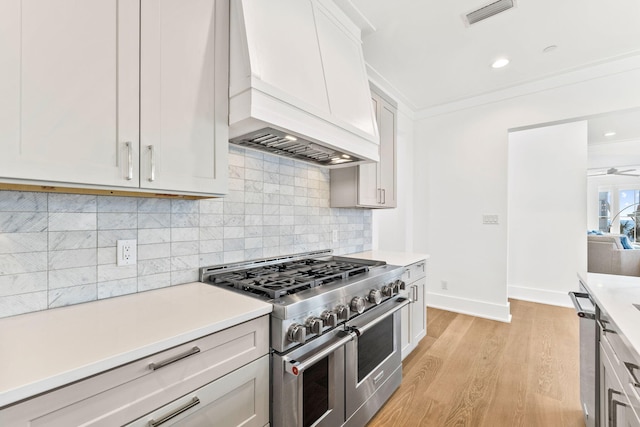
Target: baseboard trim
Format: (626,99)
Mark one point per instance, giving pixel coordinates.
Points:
(542,296)
(476,308)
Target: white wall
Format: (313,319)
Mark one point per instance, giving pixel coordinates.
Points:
(547,191)
(460,173)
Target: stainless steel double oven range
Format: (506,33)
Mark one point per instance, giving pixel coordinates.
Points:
(335,333)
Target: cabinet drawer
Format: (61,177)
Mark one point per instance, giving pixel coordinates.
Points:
(415,271)
(238,398)
(124,393)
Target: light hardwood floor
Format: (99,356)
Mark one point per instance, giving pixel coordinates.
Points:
(470,371)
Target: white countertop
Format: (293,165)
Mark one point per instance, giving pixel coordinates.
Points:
(617,294)
(390,257)
(44,350)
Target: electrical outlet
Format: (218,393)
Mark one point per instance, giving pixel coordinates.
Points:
(334,236)
(126,252)
(444,284)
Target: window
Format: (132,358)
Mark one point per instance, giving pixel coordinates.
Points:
(619,210)
(604,214)
(628,212)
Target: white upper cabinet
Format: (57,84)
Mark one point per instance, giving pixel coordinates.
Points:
(184,95)
(297,66)
(69,83)
(371,185)
(89,86)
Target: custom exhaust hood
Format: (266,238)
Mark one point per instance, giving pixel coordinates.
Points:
(298,85)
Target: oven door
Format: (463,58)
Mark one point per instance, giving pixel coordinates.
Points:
(373,360)
(308,383)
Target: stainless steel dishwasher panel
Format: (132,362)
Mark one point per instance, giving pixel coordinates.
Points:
(589,363)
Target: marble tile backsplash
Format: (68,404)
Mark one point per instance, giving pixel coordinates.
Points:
(60,249)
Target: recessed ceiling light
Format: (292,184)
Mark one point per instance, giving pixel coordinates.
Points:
(500,62)
(549,48)
(609,133)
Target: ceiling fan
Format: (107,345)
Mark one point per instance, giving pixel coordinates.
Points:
(615,171)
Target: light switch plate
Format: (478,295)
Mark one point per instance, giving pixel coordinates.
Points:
(490,219)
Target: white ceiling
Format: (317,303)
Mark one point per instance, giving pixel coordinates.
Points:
(625,124)
(426,53)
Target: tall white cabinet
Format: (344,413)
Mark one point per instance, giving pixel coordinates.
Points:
(126,94)
(371,185)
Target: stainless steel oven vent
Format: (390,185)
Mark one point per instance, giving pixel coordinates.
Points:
(488,11)
(281,144)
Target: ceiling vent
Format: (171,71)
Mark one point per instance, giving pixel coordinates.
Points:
(488,11)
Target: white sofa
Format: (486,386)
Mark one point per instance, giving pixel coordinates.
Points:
(605,254)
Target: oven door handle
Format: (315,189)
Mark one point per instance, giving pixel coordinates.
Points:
(296,367)
(359,330)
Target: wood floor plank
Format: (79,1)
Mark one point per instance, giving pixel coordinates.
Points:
(507,406)
(476,372)
(471,402)
(438,321)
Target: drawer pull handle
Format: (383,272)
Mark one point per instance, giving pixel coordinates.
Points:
(156,366)
(175,412)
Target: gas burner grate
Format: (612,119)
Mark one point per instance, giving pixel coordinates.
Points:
(275,281)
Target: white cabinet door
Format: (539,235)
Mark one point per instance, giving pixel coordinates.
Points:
(405,331)
(69,83)
(414,317)
(183,104)
(369,174)
(374,183)
(387,165)
(418,312)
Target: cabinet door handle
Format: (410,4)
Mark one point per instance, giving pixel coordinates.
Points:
(379,195)
(129,160)
(193,402)
(191,352)
(153,163)
(384,196)
(415,293)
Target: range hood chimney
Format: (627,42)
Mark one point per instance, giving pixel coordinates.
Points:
(298,85)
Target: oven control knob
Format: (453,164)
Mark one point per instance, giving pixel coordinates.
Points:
(343,312)
(394,287)
(314,325)
(329,318)
(297,333)
(387,290)
(375,296)
(401,285)
(358,304)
